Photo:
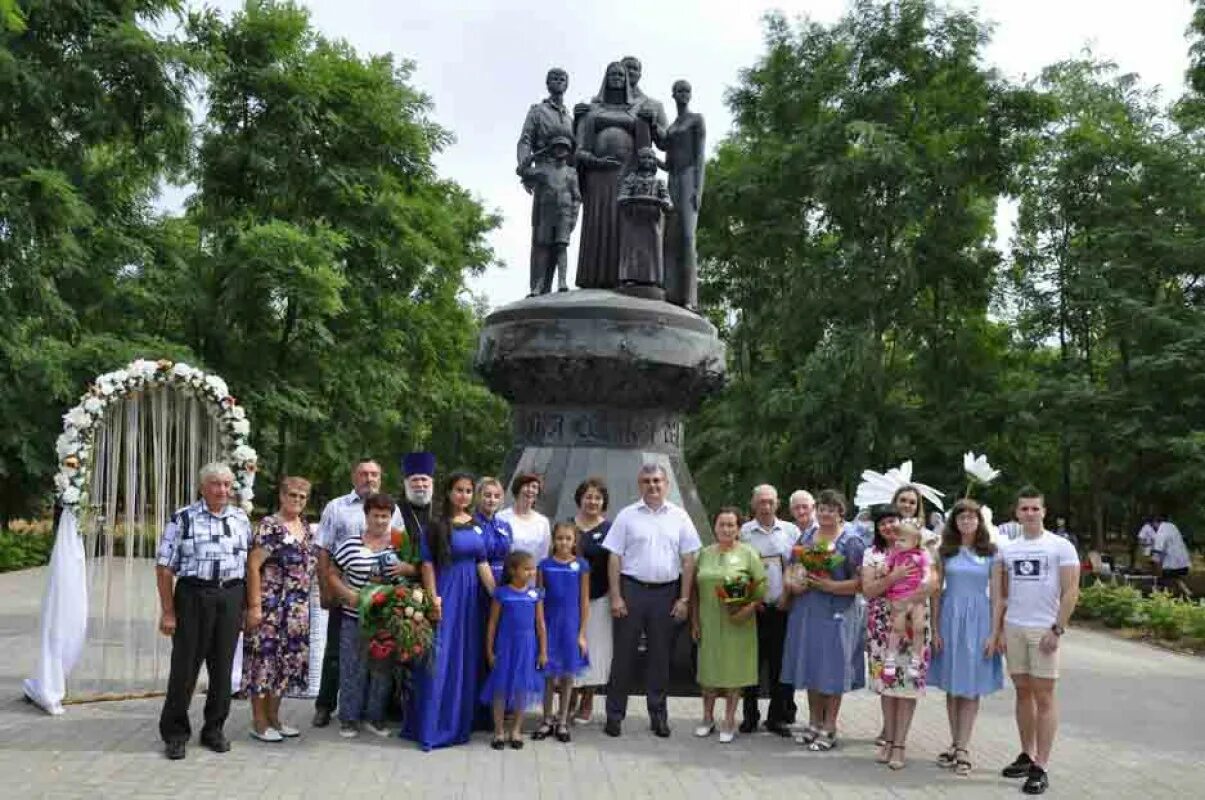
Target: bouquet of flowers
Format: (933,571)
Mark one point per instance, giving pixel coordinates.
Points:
(395,623)
(737,592)
(817,559)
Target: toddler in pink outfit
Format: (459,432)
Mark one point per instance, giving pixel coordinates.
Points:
(907,609)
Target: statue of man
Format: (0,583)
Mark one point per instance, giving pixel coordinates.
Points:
(546,121)
(648,109)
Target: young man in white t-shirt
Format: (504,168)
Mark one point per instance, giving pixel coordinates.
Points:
(1038,576)
(1169,554)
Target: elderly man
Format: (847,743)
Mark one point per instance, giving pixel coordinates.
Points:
(204,554)
(651,569)
(803,510)
(342,519)
(772,538)
(419,483)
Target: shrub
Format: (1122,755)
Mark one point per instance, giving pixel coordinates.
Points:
(1122,606)
(24,550)
(1166,616)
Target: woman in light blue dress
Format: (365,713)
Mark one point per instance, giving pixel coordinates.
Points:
(967,644)
(825,629)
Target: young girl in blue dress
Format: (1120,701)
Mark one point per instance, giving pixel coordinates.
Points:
(565,579)
(516,648)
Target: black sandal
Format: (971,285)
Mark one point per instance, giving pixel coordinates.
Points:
(562,732)
(497,744)
(516,744)
(948,758)
(962,765)
(543,732)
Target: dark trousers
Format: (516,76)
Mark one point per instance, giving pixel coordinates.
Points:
(208,619)
(328,688)
(649,608)
(771,633)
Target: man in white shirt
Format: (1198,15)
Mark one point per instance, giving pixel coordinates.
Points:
(1146,536)
(1038,575)
(1169,554)
(772,538)
(653,545)
(342,519)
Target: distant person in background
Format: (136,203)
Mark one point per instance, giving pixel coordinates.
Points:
(1060,529)
(1146,536)
(803,511)
(1169,555)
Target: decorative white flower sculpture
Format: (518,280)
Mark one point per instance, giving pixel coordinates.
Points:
(73,446)
(879,488)
(977,470)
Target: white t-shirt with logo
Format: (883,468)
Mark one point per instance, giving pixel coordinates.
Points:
(1169,545)
(1031,567)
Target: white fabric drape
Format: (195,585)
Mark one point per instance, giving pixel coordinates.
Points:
(64,618)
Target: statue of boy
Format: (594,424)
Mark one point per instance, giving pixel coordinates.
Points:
(556,201)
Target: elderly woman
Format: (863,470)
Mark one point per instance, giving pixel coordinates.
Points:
(280,568)
(727,634)
(967,665)
(592,499)
(899,695)
(530,529)
(822,652)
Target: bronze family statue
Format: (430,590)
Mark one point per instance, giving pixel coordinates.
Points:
(637,234)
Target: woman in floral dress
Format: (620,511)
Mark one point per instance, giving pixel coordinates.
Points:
(898,696)
(277,643)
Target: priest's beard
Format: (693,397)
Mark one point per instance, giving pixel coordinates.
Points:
(418,497)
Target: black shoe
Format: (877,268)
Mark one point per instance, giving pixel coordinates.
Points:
(613,728)
(1036,782)
(173,750)
(660,728)
(748,725)
(779,728)
(1019,768)
(216,742)
(322,718)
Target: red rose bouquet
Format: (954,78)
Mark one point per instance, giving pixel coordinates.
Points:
(395,623)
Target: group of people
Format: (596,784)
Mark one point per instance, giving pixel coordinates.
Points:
(528,611)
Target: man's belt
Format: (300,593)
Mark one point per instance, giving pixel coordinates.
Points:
(202,583)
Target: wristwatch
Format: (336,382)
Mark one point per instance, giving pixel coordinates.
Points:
(1057,629)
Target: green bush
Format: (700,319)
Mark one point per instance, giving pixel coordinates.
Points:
(24,550)
(1161,615)
(1166,616)
(1123,606)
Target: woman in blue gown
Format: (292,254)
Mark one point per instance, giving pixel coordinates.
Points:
(441,707)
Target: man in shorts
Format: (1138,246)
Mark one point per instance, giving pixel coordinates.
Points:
(1038,575)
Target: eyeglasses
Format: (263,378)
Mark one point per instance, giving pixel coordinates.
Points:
(296,495)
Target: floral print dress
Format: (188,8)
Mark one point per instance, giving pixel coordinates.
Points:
(878,629)
(276,655)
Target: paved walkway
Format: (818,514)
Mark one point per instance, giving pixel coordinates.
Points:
(1132,727)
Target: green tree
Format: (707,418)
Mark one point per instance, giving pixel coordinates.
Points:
(847,256)
(327,264)
(92,115)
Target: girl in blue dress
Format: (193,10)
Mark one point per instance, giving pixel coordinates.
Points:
(565,578)
(440,710)
(516,648)
(823,648)
(966,641)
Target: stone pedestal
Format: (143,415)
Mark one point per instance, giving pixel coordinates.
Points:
(599,382)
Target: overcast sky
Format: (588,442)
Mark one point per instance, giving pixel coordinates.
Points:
(483,63)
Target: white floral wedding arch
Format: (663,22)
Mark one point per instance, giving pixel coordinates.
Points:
(94,459)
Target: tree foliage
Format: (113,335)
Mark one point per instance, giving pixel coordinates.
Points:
(319,265)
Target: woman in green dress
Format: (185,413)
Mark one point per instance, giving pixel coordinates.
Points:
(725,628)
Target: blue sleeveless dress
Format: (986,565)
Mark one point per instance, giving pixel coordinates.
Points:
(563,616)
(966,622)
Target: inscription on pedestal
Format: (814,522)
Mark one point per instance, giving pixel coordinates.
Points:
(646,430)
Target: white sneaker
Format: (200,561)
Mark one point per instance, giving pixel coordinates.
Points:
(269,735)
(349,730)
(287,731)
(705,730)
(379,728)
(726,736)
